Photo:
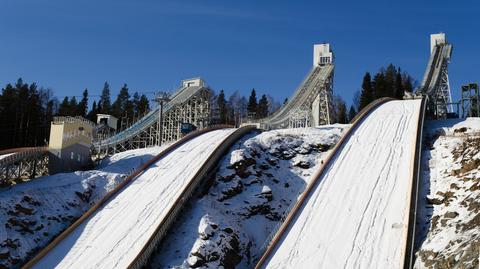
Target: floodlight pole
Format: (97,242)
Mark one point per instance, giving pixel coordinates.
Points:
(160,98)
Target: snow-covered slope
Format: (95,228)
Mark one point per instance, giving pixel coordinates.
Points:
(449,211)
(33,213)
(5,156)
(255,184)
(357,216)
(115,234)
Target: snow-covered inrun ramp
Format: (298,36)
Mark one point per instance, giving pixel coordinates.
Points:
(114,235)
(357,216)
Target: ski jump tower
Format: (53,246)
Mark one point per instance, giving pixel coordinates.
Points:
(311,104)
(190,103)
(435,83)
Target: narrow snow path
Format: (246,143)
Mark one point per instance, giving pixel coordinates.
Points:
(6,155)
(114,235)
(357,216)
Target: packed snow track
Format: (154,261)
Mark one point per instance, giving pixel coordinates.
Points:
(116,233)
(357,216)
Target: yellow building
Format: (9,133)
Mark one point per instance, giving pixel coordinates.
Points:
(70,143)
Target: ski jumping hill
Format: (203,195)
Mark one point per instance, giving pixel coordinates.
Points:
(356,215)
(116,234)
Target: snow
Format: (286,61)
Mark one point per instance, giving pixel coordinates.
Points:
(5,156)
(255,184)
(115,234)
(357,216)
(56,197)
(266,189)
(449,230)
(34,212)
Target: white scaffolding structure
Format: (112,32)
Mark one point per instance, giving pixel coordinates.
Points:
(189,104)
(436,84)
(311,104)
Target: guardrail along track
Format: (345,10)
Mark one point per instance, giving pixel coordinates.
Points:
(115,191)
(410,242)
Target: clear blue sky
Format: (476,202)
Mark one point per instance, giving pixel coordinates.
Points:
(152,45)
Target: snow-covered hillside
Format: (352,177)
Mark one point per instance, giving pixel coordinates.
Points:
(254,186)
(119,229)
(356,216)
(451,185)
(32,213)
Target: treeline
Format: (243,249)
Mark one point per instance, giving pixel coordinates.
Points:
(238,108)
(27,110)
(25,115)
(388,82)
(126,108)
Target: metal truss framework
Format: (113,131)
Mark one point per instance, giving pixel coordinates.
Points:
(325,98)
(442,95)
(310,105)
(23,165)
(436,84)
(470,100)
(194,110)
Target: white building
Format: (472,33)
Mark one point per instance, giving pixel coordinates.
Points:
(322,54)
(437,39)
(107,120)
(193,82)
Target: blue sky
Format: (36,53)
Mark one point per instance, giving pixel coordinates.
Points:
(152,45)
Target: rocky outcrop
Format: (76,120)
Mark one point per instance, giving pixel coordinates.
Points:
(453,234)
(255,185)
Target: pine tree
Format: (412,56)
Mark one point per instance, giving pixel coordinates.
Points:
(390,75)
(143,105)
(252,105)
(123,108)
(72,107)
(407,83)
(64,108)
(340,110)
(83,105)
(105,103)
(366,95)
(24,112)
(118,107)
(352,113)
(222,107)
(92,114)
(262,107)
(399,91)
(379,85)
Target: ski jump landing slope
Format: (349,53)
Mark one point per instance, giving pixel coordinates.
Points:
(116,233)
(357,216)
